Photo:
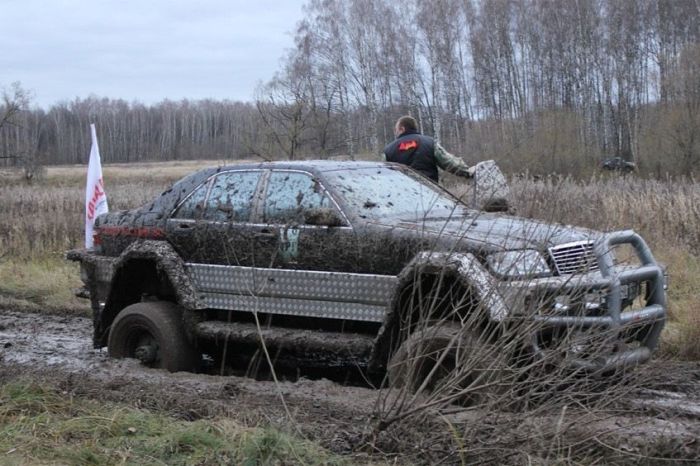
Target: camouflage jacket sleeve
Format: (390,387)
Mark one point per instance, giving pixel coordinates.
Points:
(452,163)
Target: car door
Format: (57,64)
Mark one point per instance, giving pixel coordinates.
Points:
(212,225)
(313,233)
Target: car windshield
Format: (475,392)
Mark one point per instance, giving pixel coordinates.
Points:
(381,192)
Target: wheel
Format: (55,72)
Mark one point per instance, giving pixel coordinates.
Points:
(468,370)
(152,332)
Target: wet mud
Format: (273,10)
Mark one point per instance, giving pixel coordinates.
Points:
(663,410)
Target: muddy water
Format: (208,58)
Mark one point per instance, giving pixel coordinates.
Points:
(45,340)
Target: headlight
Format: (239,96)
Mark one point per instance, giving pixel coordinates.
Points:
(518,264)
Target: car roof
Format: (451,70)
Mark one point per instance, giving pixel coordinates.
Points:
(311,165)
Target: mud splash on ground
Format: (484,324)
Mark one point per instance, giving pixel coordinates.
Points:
(658,419)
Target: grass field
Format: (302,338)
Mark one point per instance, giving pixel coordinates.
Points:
(40,425)
(42,220)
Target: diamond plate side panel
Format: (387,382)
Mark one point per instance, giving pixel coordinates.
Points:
(368,289)
(295,307)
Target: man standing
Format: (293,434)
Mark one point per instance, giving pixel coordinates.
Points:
(421,152)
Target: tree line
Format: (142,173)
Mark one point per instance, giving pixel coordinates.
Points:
(130,132)
(539,85)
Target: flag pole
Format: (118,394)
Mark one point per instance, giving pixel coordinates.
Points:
(95,196)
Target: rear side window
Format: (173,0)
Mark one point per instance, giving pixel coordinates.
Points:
(290,195)
(194,205)
(231,197)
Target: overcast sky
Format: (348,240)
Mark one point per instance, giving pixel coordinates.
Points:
(146,50)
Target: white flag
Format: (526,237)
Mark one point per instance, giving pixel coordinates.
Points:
(95,197)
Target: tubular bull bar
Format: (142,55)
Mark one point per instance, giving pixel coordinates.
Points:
(652,315)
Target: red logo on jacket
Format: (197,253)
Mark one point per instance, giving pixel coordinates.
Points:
(408,145)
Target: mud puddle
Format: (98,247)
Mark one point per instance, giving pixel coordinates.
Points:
(47,340)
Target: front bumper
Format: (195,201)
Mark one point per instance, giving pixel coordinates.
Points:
(600,338)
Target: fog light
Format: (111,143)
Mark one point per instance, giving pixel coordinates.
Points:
(562,303)
(594,300)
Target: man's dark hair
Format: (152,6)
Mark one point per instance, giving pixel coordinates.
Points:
(408,122)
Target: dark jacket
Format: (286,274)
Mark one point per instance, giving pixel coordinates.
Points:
(416,151)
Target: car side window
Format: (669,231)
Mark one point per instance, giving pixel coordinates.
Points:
(231,197)
(290,195)
(194,205)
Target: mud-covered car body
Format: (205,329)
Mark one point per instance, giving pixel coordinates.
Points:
(326,250)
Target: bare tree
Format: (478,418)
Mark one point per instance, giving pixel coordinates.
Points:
(683,106)
(284,110)
(15,102)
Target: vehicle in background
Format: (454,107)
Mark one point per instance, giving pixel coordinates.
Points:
(618,164)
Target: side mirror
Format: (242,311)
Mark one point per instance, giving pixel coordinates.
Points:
(323,216)
(491,189)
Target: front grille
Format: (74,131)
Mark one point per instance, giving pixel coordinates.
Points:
(575,257)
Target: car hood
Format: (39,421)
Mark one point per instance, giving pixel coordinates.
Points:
(493,231)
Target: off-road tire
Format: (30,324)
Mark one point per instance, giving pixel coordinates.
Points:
(416,357)
(157,325)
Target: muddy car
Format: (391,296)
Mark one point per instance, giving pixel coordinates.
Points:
(348,263)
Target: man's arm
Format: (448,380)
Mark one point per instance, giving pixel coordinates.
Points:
(452,163)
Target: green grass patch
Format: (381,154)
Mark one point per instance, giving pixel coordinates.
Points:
(41,285)
(39,426)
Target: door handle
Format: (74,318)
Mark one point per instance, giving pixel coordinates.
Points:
(184,226)
(266,233)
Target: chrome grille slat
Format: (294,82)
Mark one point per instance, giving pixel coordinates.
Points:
(577,257)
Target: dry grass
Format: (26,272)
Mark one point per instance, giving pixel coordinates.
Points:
(681,336)
(41,285)
(666,213)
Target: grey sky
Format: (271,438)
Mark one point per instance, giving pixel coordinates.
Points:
(144,50)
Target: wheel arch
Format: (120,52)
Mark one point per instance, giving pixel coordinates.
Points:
(150,268)
(448,269)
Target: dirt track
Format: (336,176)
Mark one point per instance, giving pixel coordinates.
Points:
(663,410)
